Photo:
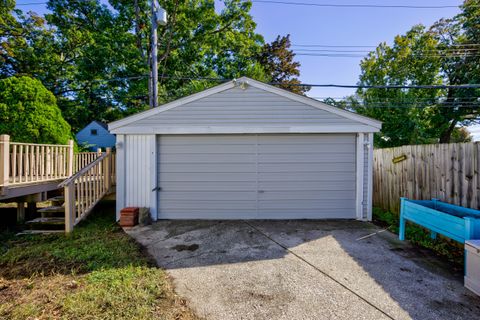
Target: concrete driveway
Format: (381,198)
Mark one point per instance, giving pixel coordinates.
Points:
(304,270)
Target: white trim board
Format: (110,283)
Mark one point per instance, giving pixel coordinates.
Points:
(244,129)
(127,125)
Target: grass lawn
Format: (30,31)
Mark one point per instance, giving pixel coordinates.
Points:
(97,272)
(443,247)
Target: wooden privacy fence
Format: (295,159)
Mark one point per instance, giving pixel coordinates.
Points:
(448,172)
(86,187)
(25,163)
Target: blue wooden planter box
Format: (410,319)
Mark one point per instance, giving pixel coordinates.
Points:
(455,222)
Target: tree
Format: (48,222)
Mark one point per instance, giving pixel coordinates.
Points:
(94,57)
(29,113)
(422,57)
(277,60)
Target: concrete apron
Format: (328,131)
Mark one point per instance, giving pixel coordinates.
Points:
(303,270)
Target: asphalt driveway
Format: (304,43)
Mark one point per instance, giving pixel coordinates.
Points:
(304,270)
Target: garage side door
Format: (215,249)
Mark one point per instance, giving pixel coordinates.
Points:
(306,176)
(207,177)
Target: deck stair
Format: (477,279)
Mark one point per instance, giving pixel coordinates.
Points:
(52,217)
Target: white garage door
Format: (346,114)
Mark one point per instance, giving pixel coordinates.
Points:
(288,176)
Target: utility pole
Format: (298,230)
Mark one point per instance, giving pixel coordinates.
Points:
(159,17)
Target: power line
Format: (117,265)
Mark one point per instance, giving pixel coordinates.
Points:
(354,5)
(369,46)
(431,51)
(443,86)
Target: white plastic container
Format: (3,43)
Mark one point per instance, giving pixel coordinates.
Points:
(472,266)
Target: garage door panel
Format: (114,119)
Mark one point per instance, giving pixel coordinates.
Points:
(278,185)
(305,148)
(209,148)
(209,185)
(208,195)
(236,167)
(305,167)
(324,176)
(209,177)
(219,214)
(309,205)
(209,204)
(321,213)
(307,195)
(299,157)
(207,158)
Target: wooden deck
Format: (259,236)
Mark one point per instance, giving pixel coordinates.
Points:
(28,170)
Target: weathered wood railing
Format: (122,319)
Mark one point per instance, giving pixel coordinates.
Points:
(24,163)
(86,187)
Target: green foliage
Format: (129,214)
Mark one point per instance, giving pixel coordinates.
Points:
(124,293)
(94,57)
(97,272)
(422,57)
(97,243)
(29,113)
(421,237)
(277,60)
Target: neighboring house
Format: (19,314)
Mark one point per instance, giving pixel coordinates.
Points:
(246,150)
(95,135)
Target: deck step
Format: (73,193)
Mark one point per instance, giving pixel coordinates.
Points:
(52,211)
(47,223)
(30,232)
(57,201)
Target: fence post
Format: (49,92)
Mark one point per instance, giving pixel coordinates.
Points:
(70,158)
(4,159)
(69,194)
(107,169)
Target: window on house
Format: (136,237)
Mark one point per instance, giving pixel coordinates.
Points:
(93,132)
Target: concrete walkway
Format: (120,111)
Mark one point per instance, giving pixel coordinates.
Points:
(304,270)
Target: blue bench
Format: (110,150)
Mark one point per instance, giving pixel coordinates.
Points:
(455,222)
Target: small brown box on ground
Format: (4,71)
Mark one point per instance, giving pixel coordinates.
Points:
(129,216)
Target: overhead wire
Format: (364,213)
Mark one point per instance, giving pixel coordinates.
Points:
(356,5)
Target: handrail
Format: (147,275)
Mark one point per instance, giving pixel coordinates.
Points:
(39,144)
(84,189)
(82,171)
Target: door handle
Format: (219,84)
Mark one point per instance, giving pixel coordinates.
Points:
(157,189)
(261,191)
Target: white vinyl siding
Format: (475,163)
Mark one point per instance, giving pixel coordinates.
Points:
(236,107)
(138,173)
(291,176)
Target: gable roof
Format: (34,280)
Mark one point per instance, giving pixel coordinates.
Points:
(367,124)
(101,124)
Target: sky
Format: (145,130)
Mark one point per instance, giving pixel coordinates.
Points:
(338,26)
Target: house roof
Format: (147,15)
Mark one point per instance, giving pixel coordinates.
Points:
(121,125)
(102,124)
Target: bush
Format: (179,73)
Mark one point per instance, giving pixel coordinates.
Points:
(29,112)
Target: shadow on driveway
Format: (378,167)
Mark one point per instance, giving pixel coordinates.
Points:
(304,270)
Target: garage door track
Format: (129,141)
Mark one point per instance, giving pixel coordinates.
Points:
(304,270)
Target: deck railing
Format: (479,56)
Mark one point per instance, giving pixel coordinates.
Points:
(82,159)
(25,163)
(86,187)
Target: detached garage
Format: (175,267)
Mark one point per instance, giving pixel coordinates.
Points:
(246,150)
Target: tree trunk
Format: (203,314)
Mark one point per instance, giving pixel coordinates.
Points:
(447,134)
